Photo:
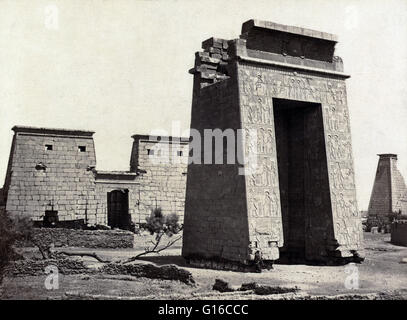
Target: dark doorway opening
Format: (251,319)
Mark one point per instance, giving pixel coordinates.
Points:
(50,219)
(303,179)
(118,209)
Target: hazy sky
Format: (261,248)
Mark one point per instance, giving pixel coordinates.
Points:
(121,67)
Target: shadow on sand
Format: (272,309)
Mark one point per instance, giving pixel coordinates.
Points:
(181,262)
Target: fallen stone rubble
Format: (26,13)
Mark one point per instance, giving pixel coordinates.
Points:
(165,272)
(67,266)
(223,286)
(63,237)
(31,267)
(235,295)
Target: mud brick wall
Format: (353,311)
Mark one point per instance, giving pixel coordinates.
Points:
(21,268)
(48,171)
(62,237)
(399,233)
(162,168)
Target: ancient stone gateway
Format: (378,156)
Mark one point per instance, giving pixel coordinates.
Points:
(286,84)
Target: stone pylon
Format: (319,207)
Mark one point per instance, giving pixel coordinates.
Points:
(283,91)
(389,194)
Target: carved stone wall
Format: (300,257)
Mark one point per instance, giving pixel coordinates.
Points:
(323,163)
(260,84)
(262,192)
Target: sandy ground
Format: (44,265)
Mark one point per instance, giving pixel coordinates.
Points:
(382,273)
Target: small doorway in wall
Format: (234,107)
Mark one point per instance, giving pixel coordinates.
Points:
(50,219)
(118,209)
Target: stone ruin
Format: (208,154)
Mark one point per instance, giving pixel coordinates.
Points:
(285,83)
(389,193)
(52,178)
(387,210)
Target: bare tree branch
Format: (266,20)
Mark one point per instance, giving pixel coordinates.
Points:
(45,250)
(159,225)
(153,250)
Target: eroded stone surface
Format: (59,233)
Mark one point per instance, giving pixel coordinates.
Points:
(231,216)
(389,193)
(55,170)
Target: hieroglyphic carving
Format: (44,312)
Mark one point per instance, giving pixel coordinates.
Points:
(336,121)
(258,85)
(263,198)
(265,175)
(345,206)
(263,204)
(262,228)
(339,147)
(289,85)
(257,111)
(342,178)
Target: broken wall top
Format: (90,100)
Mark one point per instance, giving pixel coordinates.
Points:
(269,43)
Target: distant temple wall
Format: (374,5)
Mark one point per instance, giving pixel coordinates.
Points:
(162,168)
(55,170)
(51,172)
